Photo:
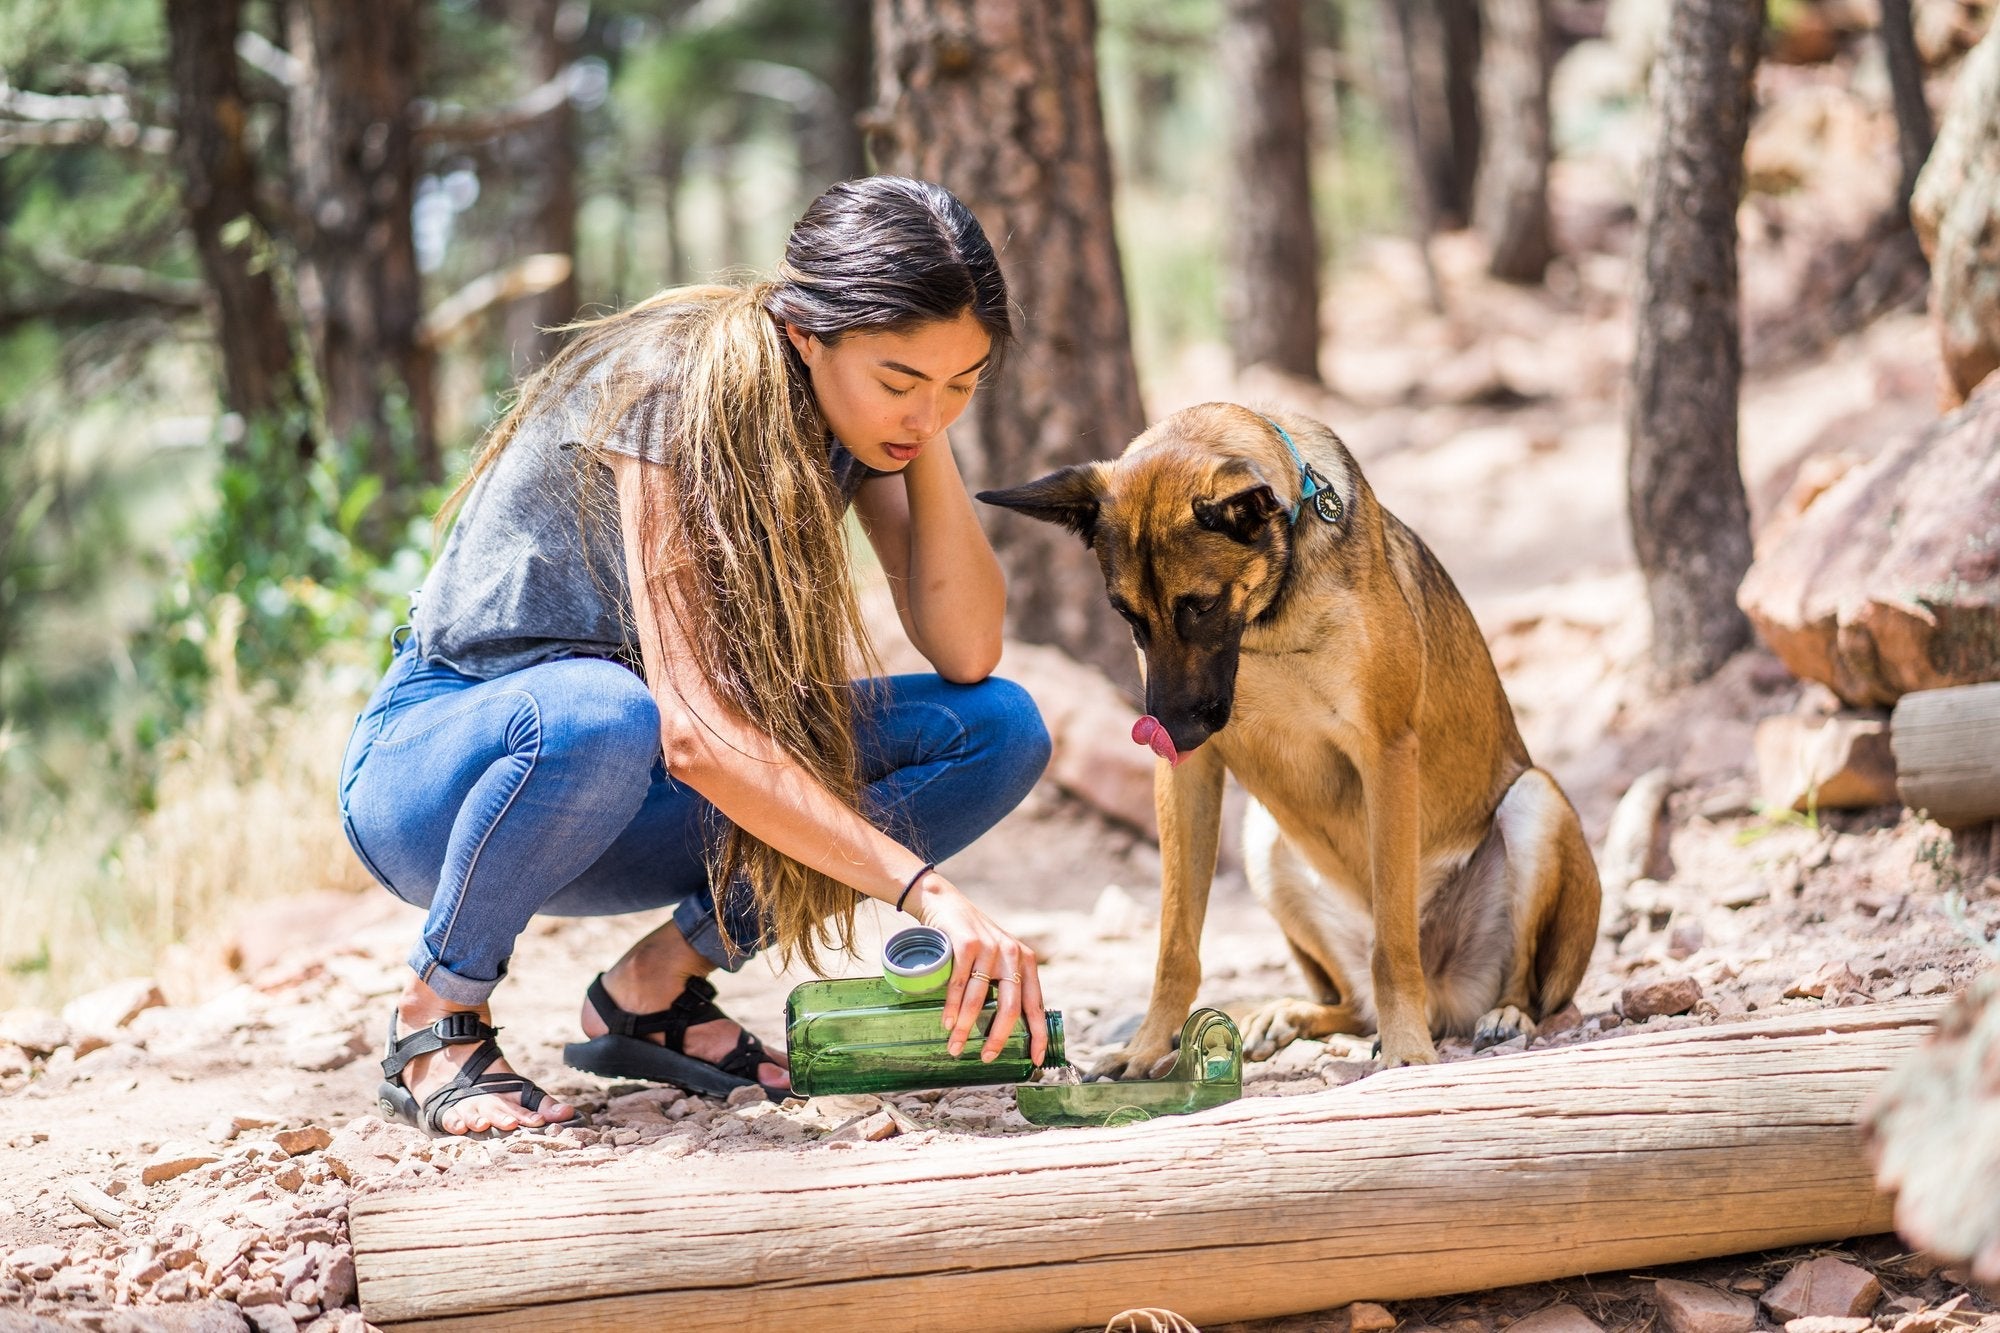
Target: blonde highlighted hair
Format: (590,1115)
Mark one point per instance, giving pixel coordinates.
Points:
(740,532)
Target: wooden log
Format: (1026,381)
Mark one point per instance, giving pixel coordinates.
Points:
(1947,745)
(1414,1182)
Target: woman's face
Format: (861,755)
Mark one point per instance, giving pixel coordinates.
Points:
(886,396)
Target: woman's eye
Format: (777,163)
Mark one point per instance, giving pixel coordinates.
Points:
(895,392)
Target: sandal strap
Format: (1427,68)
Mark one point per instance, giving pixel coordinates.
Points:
(695,1004)
(744,1057)
(454,1029)
(484,1084)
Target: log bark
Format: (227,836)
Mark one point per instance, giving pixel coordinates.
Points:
(1422,1181)
(1511,206)
(1947,745)
(353,167)
(1270,299)
(218,187)
(1690,520)
(997,101)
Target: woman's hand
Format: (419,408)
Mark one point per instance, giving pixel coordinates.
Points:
(978,945)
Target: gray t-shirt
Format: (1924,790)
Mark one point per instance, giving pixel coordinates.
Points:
(534,567)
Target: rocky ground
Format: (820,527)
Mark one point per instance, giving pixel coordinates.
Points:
(189,1164)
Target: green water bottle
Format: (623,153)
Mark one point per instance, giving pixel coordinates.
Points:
(878,1034)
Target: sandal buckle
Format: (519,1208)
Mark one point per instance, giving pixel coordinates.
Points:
(462,1026)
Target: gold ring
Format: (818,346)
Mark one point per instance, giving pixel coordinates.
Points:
(1015,978)
(981,976)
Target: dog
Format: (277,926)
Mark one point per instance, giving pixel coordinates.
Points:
(1429,879)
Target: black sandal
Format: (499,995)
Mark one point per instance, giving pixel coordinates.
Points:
(459,1029)
(624,1052)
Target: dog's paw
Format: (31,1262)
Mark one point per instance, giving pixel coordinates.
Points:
(1407,1048)
(1502,1024)
(1282,1022)
(1138,1060)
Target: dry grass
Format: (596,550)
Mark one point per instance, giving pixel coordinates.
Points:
(245,812)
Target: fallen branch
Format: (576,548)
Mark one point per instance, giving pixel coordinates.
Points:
(121,279)
(454,125)
(1417,1182)
(456,313)
(49,120)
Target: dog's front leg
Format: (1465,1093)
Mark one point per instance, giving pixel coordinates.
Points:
(1401,1005)
(1188,800)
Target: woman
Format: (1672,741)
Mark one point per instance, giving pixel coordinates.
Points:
(627,676)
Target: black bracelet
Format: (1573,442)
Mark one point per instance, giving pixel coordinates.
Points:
(922,870)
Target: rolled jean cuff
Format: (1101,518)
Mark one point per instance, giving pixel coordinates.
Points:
(448,984)
(699,926)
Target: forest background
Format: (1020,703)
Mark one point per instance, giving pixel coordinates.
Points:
(268,270)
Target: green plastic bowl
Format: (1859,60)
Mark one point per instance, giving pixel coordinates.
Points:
(917,961)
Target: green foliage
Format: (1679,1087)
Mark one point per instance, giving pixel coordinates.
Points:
(274,574)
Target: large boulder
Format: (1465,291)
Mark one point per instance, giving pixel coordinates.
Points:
(1890,581)
(1956,212)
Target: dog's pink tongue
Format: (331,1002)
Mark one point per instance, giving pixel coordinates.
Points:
(1148,731)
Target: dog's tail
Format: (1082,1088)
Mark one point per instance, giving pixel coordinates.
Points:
(1569,931)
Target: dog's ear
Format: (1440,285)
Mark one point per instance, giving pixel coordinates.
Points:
(1241,516)
(1069,497)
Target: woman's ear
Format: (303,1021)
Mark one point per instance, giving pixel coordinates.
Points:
(803,343)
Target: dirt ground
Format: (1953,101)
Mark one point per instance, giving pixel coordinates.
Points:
(253,1108)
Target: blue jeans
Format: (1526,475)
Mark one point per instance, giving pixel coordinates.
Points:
(543,790)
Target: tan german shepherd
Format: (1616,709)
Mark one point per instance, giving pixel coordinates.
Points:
(1428,877)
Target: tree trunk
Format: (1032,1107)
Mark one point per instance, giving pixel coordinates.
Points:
(1439,54)
(1690,521)
(1914,132)
(218,187)
(1003,110)
(1956,210)
(842,154)
(1270,298)
(1512,207)
(353,169)
(545,152)
(1615,1155)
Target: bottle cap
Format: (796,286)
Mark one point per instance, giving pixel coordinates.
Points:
(917,960)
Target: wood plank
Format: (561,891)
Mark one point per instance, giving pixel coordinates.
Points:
(1947,745)
(1628,1152)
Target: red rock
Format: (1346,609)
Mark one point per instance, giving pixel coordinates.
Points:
(1828,981)
(296,1141)
(1823,1286)
(1645,999)
(1556,1319)
(1092,756)
(175,1159)
(36,1031)
(1368,1317)
(108,1008)
(1690,1308)
(1838,763)
(1890,581)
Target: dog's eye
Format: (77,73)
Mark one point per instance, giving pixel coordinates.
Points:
(1132,618)
(1199,606)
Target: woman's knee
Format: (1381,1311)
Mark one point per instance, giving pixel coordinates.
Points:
(599,713)
(1006,730)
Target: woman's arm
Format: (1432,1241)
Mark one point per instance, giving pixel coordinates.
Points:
(947,584)
(750,779)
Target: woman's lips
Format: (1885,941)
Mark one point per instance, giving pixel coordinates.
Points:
(1147,731)
(903,453)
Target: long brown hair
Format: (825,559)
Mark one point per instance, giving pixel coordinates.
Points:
(741,531)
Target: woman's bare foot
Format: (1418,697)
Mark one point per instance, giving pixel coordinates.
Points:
(651,976)
(419,1008)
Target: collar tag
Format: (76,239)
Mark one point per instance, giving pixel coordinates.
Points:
(1312,486)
